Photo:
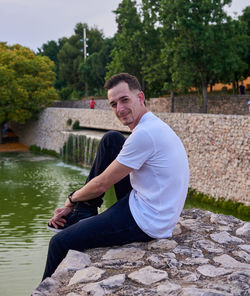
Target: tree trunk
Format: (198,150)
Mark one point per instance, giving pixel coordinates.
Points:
(172,101)
(234,88)
(211,87)
(204,93)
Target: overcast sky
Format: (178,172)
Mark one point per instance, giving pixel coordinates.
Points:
(34,22)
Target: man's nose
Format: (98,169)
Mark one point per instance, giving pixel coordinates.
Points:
(120,107)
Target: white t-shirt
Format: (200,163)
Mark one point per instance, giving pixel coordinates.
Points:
(159,178)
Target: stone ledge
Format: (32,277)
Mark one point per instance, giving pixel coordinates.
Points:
(209,254)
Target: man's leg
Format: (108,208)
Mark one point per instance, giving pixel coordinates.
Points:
(115,226)
(108,149)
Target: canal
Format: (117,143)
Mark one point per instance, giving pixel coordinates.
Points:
(31,187)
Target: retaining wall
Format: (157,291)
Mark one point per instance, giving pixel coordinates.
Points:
(223,104)
(217,145)
(193,104)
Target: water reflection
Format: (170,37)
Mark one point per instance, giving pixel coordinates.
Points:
(31,187)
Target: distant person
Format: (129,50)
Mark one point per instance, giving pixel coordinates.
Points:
(248,103)
(5,129)
(242,88)
(92,104)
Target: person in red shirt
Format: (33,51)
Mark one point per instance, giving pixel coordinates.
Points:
(92,104)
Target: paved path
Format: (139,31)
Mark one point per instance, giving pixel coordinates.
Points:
(11,147)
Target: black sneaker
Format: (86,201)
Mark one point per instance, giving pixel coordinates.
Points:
(75,216)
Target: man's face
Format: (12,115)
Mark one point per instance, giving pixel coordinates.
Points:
(127,104)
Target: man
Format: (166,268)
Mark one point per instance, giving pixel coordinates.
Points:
(242,88)
(92,104)
(156,162)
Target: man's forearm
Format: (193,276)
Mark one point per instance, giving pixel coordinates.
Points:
(100,184)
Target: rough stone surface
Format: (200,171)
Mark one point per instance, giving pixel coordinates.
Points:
(217,145)
(191,104)
(190,263)
(148,275)
(86,275)
(244,230)
(73,261)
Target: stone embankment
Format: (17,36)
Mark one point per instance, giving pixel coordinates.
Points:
(208,255)
(218,146)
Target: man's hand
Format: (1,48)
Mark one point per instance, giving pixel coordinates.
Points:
(57,219)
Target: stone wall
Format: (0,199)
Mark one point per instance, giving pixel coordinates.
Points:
(100,104)
(183,104)
(193,104)
(208,255)
(217,145)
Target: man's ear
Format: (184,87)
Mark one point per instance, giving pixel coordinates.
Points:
(141,97)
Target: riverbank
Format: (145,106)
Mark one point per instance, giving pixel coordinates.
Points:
(209,254)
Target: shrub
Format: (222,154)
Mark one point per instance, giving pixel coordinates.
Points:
(69,121)
(76,125)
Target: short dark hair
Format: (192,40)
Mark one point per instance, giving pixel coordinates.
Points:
(131,80)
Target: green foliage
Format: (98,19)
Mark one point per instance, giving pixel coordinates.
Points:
(65,92)
(74,70)
(76,125)
(69,121)
(37,149)
(169,45)
(198,42)
(228,207)
(127,55)
(51,50)
(26,83)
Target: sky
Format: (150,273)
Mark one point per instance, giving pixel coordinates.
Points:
(34,22)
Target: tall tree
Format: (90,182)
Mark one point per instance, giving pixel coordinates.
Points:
(94,68)
(73,68)
(51,50)
(127,54)
(195,36)
(151,45)
(26,83)
(245,20)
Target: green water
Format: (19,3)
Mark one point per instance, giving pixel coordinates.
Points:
(31,187)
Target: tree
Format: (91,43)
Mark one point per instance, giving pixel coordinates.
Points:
(127,54)
(94,68)
(196,40)
(26,83)
(51,50)
(73,69)
(245,20)
(154,73)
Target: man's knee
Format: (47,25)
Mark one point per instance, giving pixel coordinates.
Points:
(113,137)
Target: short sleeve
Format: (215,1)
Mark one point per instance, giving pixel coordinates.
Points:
(136,150)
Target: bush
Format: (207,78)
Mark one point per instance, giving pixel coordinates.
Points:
(65,93)
(76,125)
(34,148)
(69,121)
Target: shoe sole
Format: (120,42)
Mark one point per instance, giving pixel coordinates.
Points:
(54,229)
(59,230)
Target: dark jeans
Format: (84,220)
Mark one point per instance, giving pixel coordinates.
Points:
(108,149)
(115,226)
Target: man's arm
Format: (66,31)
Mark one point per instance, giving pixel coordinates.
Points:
(100,184)
(94,188)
